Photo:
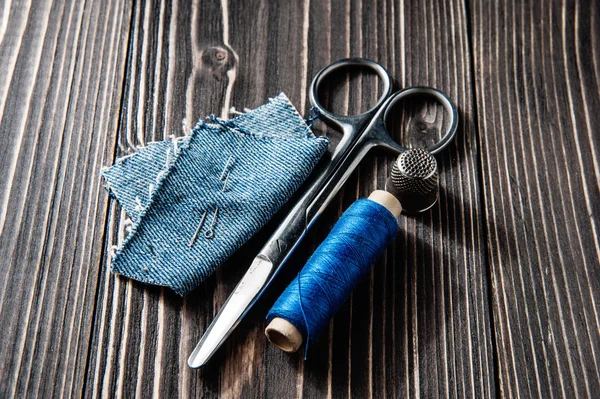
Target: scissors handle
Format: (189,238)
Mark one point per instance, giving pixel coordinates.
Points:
(350,125)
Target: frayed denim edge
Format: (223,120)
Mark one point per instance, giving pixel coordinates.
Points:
(181,149)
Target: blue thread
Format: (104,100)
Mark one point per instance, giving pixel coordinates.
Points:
(226,124)
(336,267)
(313,115)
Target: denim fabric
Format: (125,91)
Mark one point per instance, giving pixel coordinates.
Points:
(131,179)
(246,167)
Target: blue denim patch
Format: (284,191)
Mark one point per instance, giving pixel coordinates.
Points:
(195,200)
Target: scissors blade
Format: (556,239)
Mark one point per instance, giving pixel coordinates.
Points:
(232,311)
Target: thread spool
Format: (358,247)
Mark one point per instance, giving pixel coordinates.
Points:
(344,256)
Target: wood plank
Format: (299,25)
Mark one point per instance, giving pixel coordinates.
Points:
(60,87)
(143,335)
(419,324)
(538,107)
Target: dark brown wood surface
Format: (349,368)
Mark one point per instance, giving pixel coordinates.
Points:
(537,71)
(494,292)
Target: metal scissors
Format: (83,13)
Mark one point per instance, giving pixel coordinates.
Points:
(361,133)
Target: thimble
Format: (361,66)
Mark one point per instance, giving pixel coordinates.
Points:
(414,180)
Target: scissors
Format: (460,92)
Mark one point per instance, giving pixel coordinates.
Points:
(361,133)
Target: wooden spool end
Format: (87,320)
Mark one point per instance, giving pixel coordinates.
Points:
(284,334)
(386,199)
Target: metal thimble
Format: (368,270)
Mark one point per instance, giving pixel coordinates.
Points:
(414,180)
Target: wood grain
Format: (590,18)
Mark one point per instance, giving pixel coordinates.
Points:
(60,91)
(537,102)
(419,325)
(492,293)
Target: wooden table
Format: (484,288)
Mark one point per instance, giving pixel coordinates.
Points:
(495,292)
